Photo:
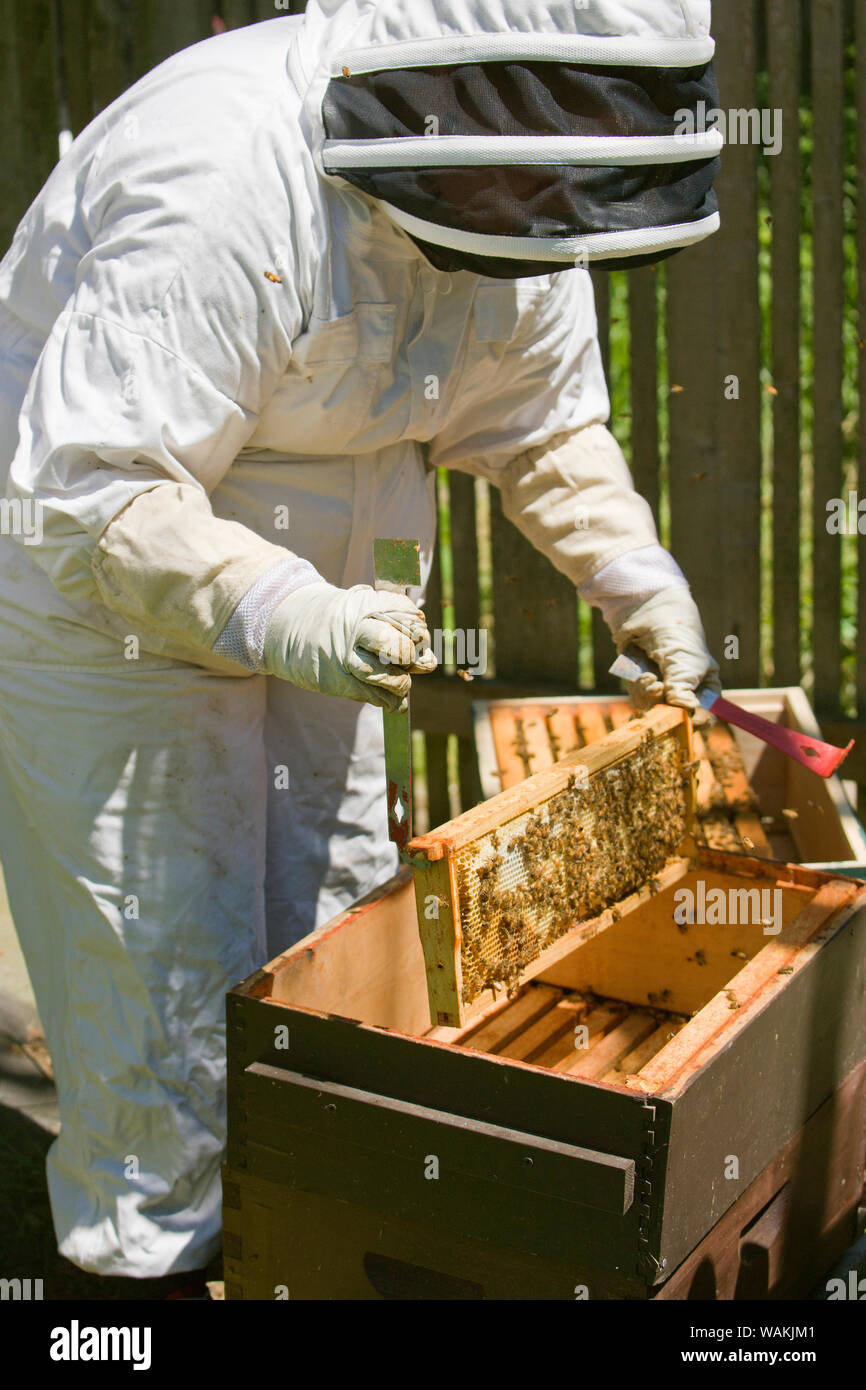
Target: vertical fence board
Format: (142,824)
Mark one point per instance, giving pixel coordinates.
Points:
(860,74)
(237,14)
(603,655)
(76,59)
(436,745)
(467,617)
(534,606)
(28,110)
(714,333)
(643,318)
(602,646)
(784,51)
(438,799)
(601,286)
(827,170)
(464,551)
(163,27)
(113,65)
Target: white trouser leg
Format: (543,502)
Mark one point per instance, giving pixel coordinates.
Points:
(137,806)
(132,833)
(327,819)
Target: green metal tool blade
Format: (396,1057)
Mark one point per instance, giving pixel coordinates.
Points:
(397,567)
(397,562)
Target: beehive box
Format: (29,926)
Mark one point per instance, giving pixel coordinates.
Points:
(751,798)
(663,1097)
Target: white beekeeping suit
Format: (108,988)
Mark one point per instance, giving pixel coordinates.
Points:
(232,327)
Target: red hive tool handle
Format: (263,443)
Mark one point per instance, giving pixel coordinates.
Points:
(823,758)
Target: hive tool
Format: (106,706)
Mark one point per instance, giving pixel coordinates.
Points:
(820,757)
(397,569)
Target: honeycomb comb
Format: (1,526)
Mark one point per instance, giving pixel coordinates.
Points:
(511,886)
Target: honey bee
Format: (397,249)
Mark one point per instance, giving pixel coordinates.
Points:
(659,1000)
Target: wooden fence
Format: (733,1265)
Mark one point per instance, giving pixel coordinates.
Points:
(737,369)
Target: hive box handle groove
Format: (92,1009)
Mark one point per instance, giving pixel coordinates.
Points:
(484,1152)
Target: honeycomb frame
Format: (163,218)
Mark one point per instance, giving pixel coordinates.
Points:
(524,874)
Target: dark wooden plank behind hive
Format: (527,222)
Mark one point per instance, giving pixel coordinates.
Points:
(467,609)
(28,111)
(163,27)
(601,289)
(535,609)
(828,224)
(436,745)
(643,319)
(783,55)
(860,87)
(714,333)
(602,647)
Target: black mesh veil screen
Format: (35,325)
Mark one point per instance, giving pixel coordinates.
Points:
(530,99)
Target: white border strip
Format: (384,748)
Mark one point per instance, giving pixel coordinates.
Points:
(422,151)
(565,48)
(596,246)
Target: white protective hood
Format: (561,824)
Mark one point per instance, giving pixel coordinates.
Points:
(610,172)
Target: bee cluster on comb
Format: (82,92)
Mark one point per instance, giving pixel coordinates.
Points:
(526,884)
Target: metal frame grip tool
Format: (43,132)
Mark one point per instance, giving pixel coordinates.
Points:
(397,569)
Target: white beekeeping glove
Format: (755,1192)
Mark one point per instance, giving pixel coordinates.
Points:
(668,628)
(360,643)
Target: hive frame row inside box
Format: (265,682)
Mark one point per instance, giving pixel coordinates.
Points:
(608,1167)
(824,831)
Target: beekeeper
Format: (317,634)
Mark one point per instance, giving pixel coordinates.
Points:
(266,293)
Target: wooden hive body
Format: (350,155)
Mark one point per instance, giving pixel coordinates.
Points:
(582,1131)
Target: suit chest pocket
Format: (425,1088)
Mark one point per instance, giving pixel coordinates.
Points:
(501,311)
(366,334)
(326,401)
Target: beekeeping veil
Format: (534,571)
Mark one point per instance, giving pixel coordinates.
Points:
(518,137)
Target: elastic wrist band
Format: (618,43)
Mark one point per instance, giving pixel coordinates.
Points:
(243,637)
